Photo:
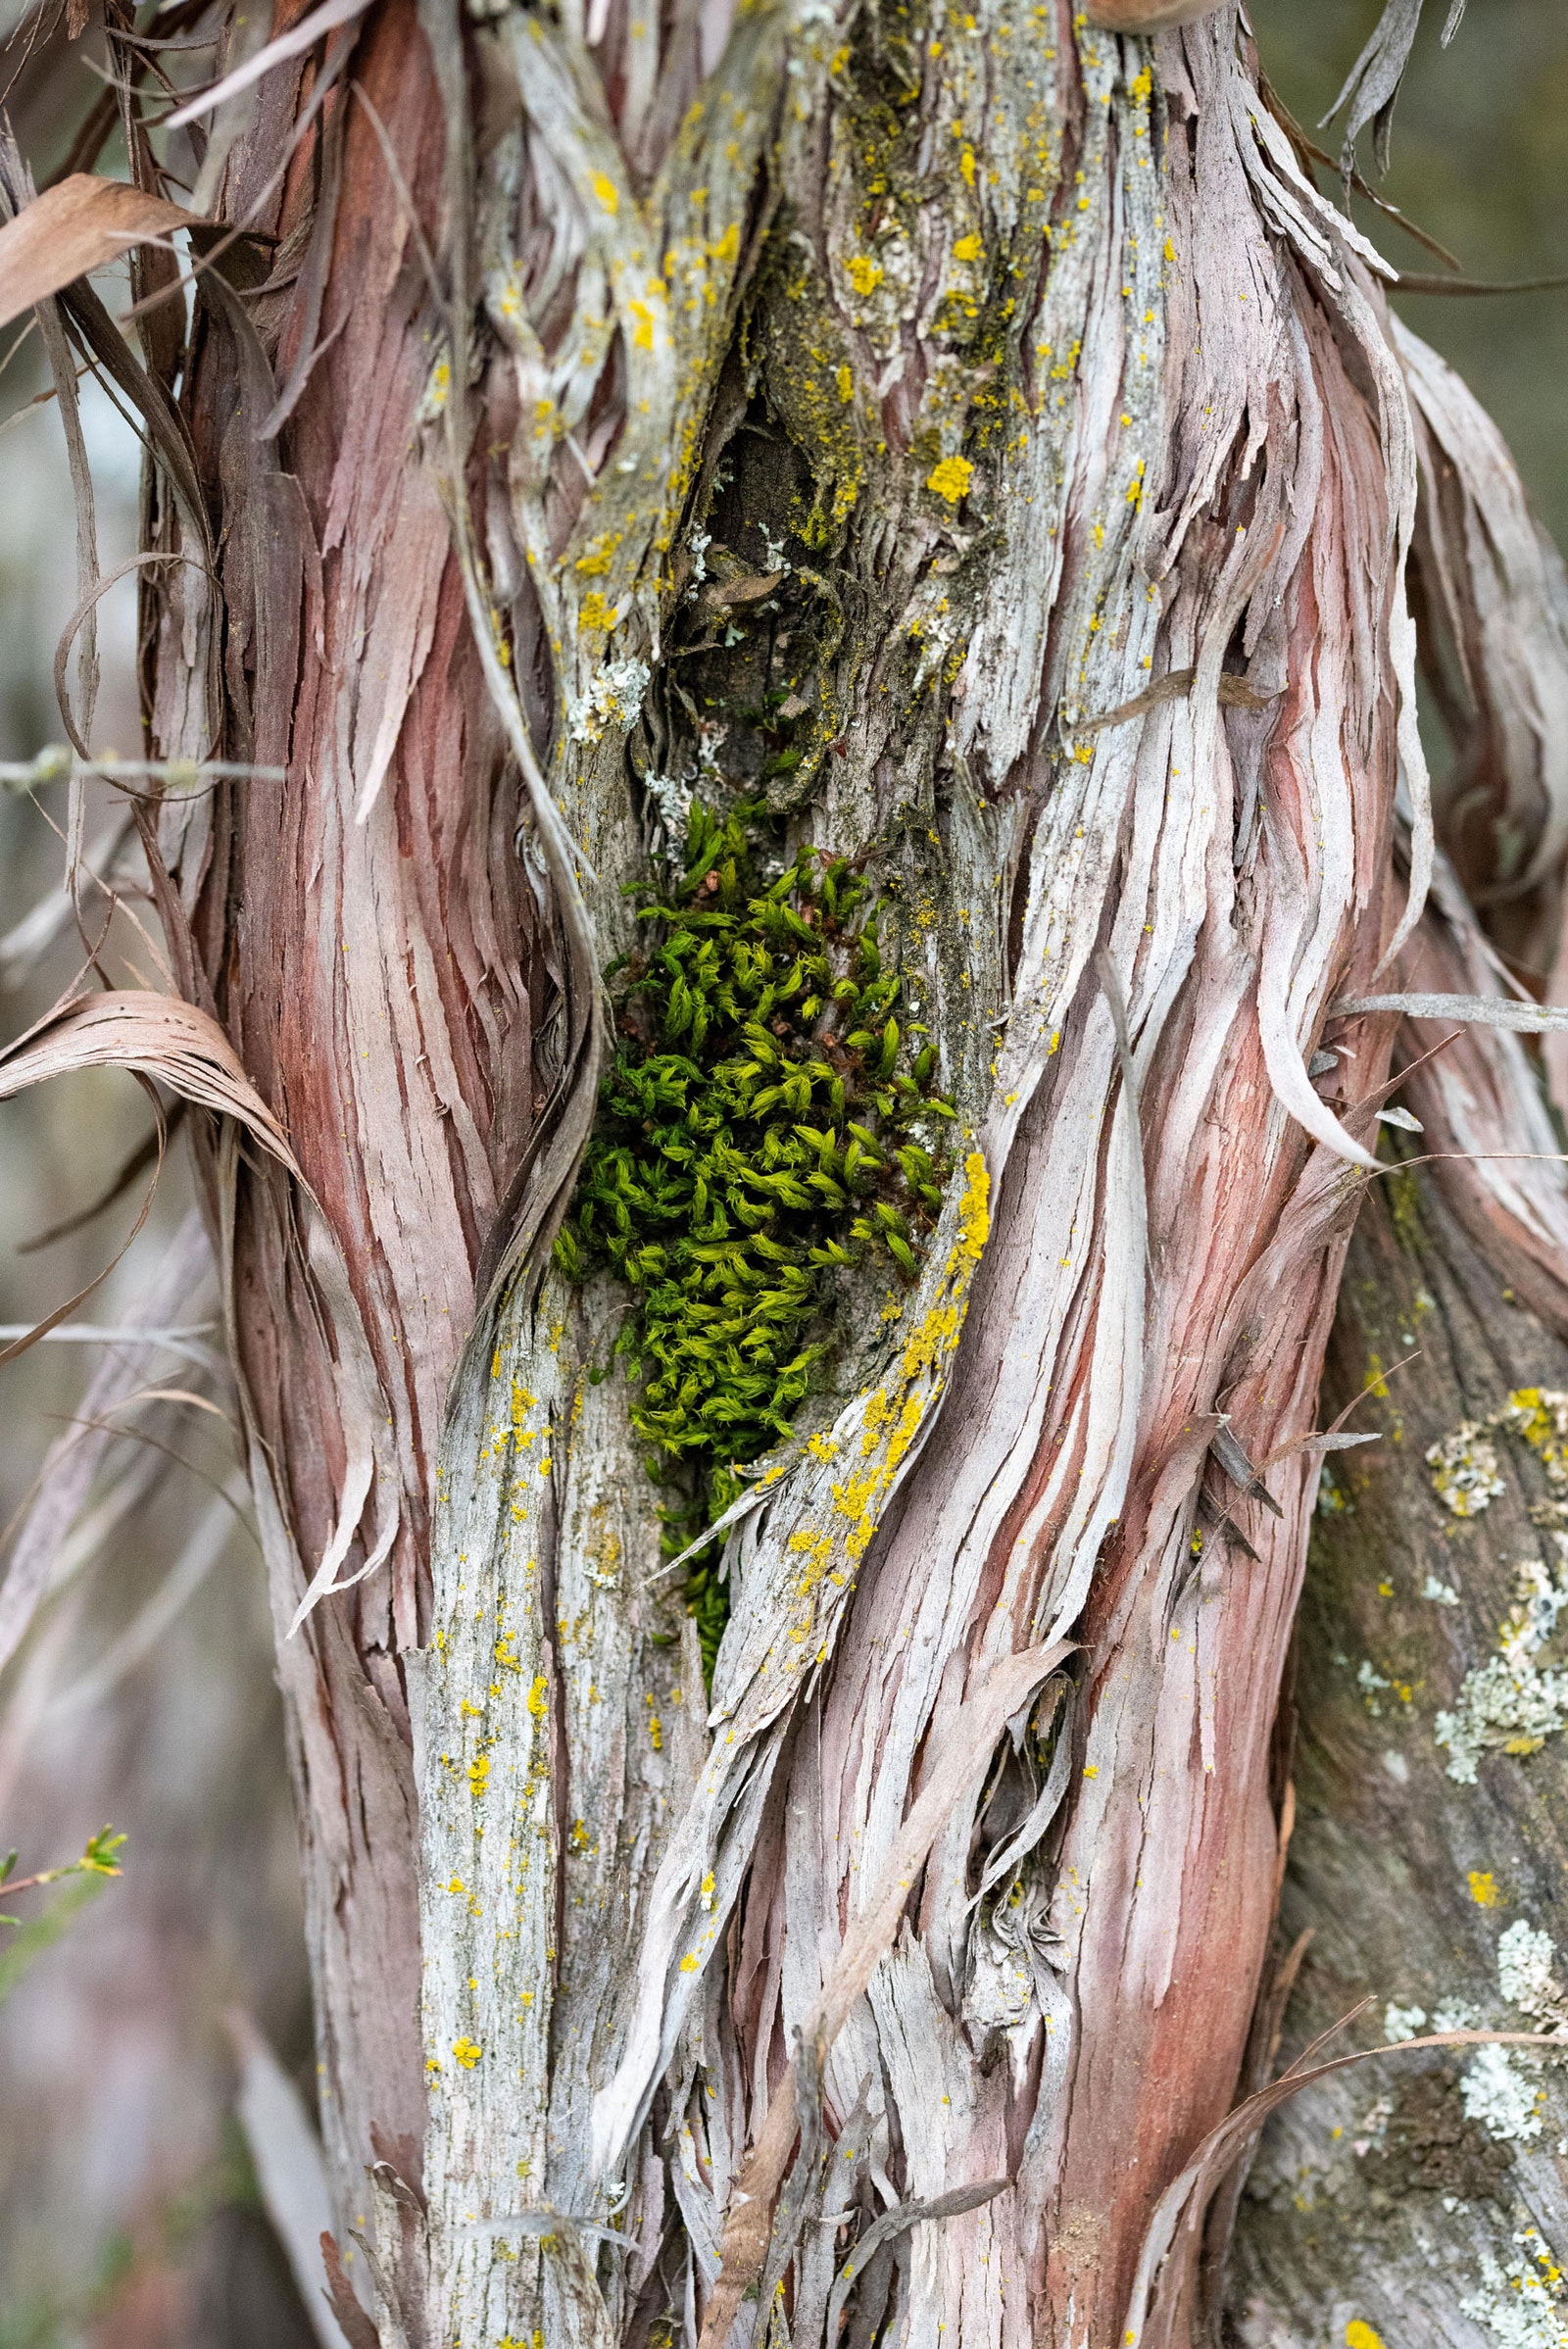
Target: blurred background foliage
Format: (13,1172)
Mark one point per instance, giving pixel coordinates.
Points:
(129,2210)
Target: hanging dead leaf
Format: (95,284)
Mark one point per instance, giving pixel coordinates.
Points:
(75,227)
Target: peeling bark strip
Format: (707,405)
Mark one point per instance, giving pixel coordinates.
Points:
(845,413)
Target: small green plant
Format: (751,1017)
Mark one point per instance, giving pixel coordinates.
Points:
(766,1120)
(98,1862)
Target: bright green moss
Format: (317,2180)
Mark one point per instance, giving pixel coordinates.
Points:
(766,1121)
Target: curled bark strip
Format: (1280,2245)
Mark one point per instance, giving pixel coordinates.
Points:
(1498,606)
(966,1749)
(358,2330)
(76,225)
(1372,85)
(1164,2311)
(58,1501)
(81,620)
(293,43)
(157,1036)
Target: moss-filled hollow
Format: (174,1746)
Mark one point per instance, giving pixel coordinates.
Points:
(768,1123)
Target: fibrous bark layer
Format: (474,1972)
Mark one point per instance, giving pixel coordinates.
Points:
(972,443)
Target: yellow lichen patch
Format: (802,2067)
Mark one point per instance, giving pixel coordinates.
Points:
(1357,2334)
(951,479)
(974,1208)
(467,2052)
(863,273)
(1484,1888)
(480,1774)
(608,193)
(539,1696)
(967,248)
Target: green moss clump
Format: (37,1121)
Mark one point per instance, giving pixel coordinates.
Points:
(760,1127)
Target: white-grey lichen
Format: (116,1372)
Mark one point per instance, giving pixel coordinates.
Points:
(1504,1709)
(1511,1703)
(672,799)
(1525,1975)
(1442,1595)
(1465,1470)
(1540,1599)
(1521,2304)
(1496,2095)
(1370,1682)
(1403,2022)
(614,698)
(1464,1465)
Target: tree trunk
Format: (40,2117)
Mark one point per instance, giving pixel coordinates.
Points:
(968,459)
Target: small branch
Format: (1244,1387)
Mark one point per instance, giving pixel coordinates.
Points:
(54,763)
(1420,281)
(99,1859)
(1234,693)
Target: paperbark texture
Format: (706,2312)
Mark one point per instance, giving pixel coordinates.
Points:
(993,399)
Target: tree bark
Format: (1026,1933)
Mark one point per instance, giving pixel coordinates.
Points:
(1394,2195)
(998,403)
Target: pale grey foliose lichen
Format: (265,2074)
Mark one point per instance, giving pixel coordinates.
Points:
(1521,2304)
(1511,1703)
